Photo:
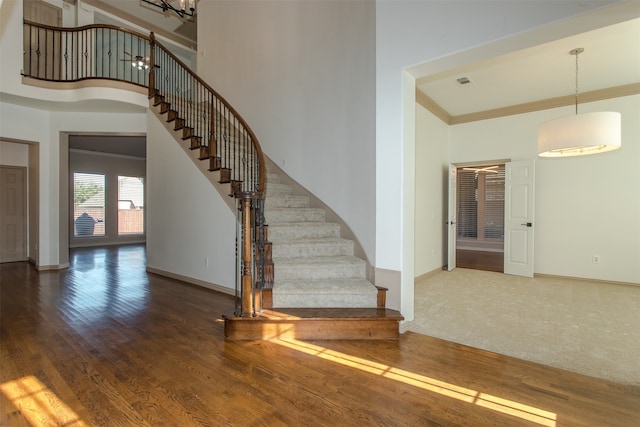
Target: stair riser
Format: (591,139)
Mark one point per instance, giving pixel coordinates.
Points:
(286,202)
(278,189)
(317,272)
(280,233)
(324,301)
(312,250)
(294,215)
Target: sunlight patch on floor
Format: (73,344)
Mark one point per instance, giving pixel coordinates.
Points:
(39,405)
(505,406)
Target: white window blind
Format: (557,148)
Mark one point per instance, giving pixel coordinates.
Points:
(88,204)
(494,205)
(480,195)
(467,195)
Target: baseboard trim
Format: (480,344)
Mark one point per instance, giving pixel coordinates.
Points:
(406,325)
(192,280)
(96,244)
(585,279)
(427,274)
(52,267)
(542,275)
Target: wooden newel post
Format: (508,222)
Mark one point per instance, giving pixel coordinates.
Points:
(247,278)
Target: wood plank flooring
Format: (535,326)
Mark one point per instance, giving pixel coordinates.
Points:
(105,343)
(316,323)
(480,260)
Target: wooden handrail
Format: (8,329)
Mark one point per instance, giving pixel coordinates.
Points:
(86,27)
(261,185)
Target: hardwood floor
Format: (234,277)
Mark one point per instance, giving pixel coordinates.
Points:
(480,260)
(105,343)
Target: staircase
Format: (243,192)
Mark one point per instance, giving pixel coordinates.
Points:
(298,278)
(319,289)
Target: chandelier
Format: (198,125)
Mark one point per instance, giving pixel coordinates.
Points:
(182,8)
(580,134)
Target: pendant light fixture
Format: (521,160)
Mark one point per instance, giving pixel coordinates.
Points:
(580,134)
(183,8)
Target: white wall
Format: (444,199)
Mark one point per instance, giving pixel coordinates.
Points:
(432,159)
(302,75)
(584,206)
(187,220)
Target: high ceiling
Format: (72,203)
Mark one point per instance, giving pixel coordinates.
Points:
(611,58)
(166,23)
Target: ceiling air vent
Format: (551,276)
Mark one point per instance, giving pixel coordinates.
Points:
(464,81)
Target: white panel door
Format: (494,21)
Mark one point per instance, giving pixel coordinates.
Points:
(13,214)
(518,218)
(452,219)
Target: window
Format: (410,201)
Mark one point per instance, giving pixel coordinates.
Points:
(88,204)
(480,195)
(130,205)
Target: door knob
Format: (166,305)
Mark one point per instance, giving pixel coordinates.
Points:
(528,224)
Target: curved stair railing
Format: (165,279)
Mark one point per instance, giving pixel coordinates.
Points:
(199,114)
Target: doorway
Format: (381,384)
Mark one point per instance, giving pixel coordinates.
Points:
(480,217)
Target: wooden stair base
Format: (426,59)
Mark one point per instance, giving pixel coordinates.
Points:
(267,293)
(315,323)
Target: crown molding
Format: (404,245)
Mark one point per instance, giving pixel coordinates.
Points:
(432,106)
(528,107)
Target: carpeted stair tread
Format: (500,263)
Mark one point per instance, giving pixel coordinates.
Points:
(319,268)
(302,230)
(318,247)
(321,261)
(276,188)
(286,201)
(354,293)
(279,215)
(319,286)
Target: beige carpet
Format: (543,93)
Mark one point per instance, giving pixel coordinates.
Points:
(581,326)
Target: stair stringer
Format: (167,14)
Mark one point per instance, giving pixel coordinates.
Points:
(202,165)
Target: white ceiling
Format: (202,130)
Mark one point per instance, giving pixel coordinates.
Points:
(611,58)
